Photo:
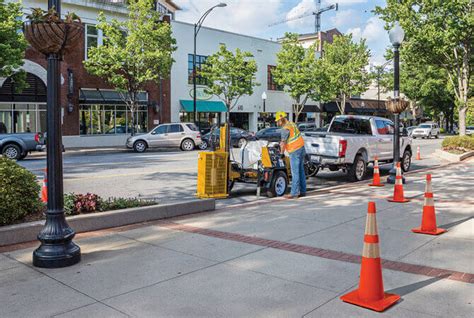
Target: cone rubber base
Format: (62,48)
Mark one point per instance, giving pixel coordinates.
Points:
(390,199)
(376,185)
(438,231)
(377,305)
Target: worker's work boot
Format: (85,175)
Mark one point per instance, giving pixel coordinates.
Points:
(290,197)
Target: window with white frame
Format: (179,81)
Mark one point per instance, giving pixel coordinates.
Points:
(93,38)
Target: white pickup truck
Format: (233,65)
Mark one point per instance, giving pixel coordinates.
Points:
(352,142)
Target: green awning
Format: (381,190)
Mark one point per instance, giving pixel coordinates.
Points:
(203,106)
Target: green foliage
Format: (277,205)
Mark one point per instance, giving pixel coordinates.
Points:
(12,42)
(463,143)
(438,34)
(19,192)
(88,203)
(299,72)
(344,64)
(229,75)
(134,53)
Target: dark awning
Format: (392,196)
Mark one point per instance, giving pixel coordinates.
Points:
(110,97)
(358,106)
(203,106)
(311,109)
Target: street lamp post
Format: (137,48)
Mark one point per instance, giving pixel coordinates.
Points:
(264,98)
(57,248)
(197,27)
(264,115)
(396,36)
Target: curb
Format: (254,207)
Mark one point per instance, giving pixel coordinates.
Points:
(26,232)
(453,157)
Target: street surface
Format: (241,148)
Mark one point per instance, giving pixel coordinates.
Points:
(169,176)
(268,258)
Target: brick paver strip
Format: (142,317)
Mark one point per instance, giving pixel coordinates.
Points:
(323,253)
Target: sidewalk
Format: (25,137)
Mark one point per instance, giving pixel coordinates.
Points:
(273,258)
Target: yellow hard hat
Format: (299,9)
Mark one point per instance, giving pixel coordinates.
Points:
(280,115)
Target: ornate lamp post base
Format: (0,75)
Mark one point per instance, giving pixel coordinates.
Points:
(393,174)
(57,248)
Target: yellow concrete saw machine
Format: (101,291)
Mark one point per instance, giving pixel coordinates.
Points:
(261,164)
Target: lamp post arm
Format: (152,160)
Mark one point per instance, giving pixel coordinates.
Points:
(202,18)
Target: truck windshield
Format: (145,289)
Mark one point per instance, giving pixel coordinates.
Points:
(351,125)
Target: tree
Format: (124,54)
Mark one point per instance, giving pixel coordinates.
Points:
(299,72)
(134,53)
(344,64)
(438,33)
(12,43)
(229,76)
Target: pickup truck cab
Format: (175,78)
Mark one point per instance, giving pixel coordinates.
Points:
(352,142)
(17,146)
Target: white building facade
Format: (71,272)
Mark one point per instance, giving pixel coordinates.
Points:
(248,111)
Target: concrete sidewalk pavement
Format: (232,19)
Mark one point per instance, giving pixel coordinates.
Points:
(273,258)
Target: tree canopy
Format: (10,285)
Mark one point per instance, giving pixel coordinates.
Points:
(344,63)
(229,76)
(438,33)
(134,53)
(299,72)
(12,42)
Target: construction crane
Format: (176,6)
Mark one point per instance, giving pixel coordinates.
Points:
(317,16)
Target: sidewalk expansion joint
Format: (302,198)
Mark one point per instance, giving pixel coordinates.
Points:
(319,252)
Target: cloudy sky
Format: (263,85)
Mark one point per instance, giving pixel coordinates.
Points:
(253,17)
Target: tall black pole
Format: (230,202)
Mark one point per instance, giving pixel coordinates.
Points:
(396,95)
(194,79)
(57,248)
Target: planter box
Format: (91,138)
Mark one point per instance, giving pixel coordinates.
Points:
(26,232)
(453,157)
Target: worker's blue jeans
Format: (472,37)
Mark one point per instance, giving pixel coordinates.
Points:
(298,178)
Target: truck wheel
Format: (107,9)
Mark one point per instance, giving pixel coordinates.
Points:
(358,169)
(279,185)
(406,160)
(12,151)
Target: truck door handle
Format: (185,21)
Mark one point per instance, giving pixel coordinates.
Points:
(315,145)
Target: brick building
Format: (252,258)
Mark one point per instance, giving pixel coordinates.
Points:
(93,113)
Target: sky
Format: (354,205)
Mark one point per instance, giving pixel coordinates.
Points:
(254,17)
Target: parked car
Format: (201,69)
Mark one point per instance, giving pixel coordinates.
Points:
(352,142)
(185,136)
(470,130)
(307,127)
(426,130)
(17,146)
(272,134)
(409,130)
(323,129)
(238,137)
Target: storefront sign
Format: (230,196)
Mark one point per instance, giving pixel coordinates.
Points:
(200,94)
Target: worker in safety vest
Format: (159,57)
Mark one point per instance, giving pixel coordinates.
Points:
(292,142)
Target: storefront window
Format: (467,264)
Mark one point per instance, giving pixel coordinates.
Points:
(19,118)
(200,61)
(108,119)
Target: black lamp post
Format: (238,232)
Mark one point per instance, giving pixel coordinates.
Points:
(197,27)
(396,36)
(57,248)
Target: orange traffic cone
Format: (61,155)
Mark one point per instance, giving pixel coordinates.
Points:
(398,195)
(376,182)
(44,187)
(418,155)
(428,220)
(370,293)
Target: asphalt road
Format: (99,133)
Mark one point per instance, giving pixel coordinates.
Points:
(171,175)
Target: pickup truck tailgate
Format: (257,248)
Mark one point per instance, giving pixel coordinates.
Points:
(325,145)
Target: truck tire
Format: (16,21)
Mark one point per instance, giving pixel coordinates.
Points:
(11,151)
(405,162)
(278,185)
(358,170)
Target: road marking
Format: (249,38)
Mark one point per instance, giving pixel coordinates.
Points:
(120,175)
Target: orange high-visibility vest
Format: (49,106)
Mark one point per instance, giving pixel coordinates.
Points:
(295,140)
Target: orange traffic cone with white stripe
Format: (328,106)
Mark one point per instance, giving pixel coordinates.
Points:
(44,187)
(398,195)
(418,155)
(376,182)
(370,293)
(428,220)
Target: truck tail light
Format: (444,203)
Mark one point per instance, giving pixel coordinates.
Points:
(37,138)
(342,148)
(198,136)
